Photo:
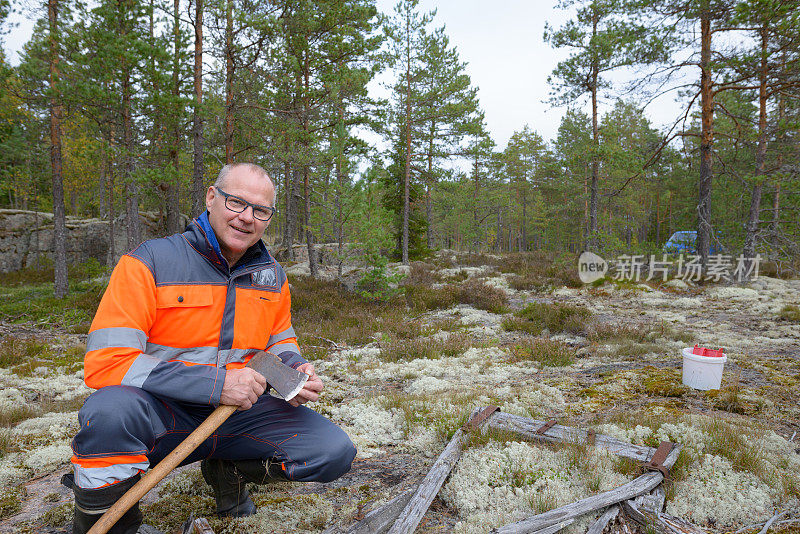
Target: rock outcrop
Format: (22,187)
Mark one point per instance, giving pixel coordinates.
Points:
(26,237)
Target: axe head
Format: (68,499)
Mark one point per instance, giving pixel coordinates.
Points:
(286,382)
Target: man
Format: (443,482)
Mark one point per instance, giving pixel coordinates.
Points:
(180,318)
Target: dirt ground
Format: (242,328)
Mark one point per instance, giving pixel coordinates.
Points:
(763,371)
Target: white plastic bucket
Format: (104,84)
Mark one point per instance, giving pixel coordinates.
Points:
(702,372)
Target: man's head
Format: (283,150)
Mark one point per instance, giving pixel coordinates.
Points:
(236,232)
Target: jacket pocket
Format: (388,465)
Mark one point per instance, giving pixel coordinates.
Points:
(183,296)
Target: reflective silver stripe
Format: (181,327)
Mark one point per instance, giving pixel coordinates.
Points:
(280,336)
(96,477)
(116,337)
(140,370)
(186,354)
(203,355)
(233,356)
(283,347)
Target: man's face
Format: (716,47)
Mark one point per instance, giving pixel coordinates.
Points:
(236,232)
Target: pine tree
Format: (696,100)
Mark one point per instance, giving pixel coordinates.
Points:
(603,40)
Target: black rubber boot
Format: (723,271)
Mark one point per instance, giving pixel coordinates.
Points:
(91,504)
(230,488)
(260,471)
(228,479)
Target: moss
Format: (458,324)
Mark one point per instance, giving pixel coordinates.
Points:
(58,516)
(10,502)
(732,398)
(662,382)
(170,511)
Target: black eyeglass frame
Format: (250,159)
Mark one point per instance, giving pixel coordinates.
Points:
(255,207)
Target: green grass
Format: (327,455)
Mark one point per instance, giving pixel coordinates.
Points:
(30,276)
(790,312)
(556,317)
(37,304)
(729,442)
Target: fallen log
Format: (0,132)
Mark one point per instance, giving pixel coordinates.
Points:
(600,525)
(379,520)
(410,517)
(555,528)
(528,429)
(661,522)
(640,485)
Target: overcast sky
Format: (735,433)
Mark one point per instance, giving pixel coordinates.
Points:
(508,61)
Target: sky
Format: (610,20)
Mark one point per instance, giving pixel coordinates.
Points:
(506,56)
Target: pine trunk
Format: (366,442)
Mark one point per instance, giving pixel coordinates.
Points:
(289,213)
(749,249)
(407,169)
(229,83)
(109,183)
(776,199)
(198,172)
(312,253)
(61,284)
(173,187)
(131,187)
(706,138)
(592,241)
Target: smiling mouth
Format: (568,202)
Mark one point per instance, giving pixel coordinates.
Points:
(241,230)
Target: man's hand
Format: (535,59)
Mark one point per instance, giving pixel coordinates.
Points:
(311,389)
(242,388)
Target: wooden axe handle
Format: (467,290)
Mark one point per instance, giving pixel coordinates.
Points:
(155,475)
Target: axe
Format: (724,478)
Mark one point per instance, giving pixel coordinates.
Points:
(286,382)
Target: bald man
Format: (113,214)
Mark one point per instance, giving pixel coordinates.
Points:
(179,320)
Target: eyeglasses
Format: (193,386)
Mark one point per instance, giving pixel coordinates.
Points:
(238,205)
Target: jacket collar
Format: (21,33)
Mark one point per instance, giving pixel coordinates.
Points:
(200,235)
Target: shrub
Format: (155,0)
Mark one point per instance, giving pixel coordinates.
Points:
(473,292)
(484,297)
(324,310)
(394,349)
(376,283)
(546,352)
(556,317)
(537,270)
(423,274)
(421,298)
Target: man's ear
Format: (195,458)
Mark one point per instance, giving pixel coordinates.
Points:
(211,194)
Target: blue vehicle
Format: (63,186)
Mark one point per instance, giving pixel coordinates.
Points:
(685,242)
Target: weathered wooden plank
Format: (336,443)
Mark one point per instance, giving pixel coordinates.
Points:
(552,529)
(199,525)
(410,517)
(379,520)
(642,484)
(600,525)
(527,428)
(662,523)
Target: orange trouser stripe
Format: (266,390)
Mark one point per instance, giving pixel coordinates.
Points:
(108,461)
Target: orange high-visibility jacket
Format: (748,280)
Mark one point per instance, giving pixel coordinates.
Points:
(174,317)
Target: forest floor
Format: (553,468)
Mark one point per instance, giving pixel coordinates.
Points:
(401,376)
